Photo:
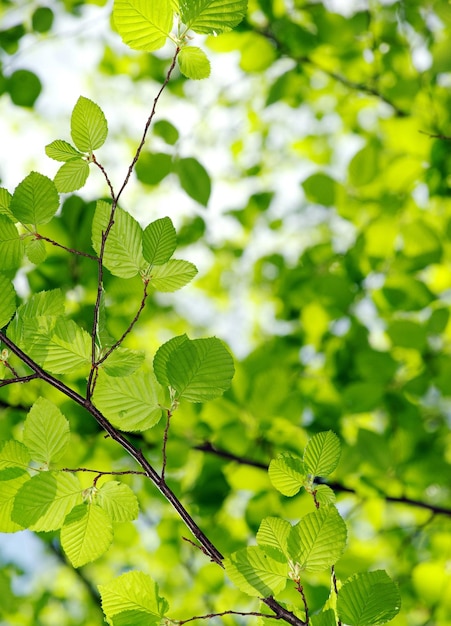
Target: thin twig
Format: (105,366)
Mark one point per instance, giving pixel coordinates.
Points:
(210,615)
(432,136)
(334,582)
(300,589)
(165,443)
(18,379)
(60,245)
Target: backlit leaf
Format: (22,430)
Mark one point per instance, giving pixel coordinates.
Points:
(256,573)
(131,403)
(212,16)
(43,502)
(368,598)
(87,533)
(14,454)
(118,500)
(159,241)
(123,362)
(35,200)
(123,250)
(172,275)
(194,179)
(46,432)
(287,474)
(61,150)
(71,176)
(160,361)
(143,25)
(318,540)
(7,300)
(88,125)
(11,246)
(194,63)
(11,480)
(273,535)
(322,453)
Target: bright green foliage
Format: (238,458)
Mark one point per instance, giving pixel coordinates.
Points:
(11,480)
(61,150)
(118,500)
(35,200)
(71,176)
(36,251)
(198,370)
(318,540)
(86,534)
(88,125)
(132,594)
(368,598)
(11,246)
(212,16)
(194,179)
(287,474)
(8,300)
(14,454)
(194,63)
(46,432)
(172,275)
(132,402)
(325,618)
(123,362)
(143,25)
(322,454)
(273,536)
(256,572)
(5,201)
(159,241)
(123,250)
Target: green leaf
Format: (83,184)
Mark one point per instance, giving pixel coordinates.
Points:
(35,200)
(11,480)
(46,432)
(58,345)
(159,241)
(133,592)
(7,300)
(36,251)
(134,618)
(364,166)
(61,150)
(368,598)
(5,202)
(72,176)
(194,63)
(322,453)
(256,573)
(212,16)
(132,403)
(318,540)
(172,275)
(325,618)
(194,179)
(152,167)
(14,454)
(287,474)
(167,131)
(123,362)
(44,501)
(324,495)
(200,370)
(118,500)
(273,536)
(143,25)
(11,246)
(87,533)
(320,189)
(45,303)
(88,125)
(123,250)
(161,358)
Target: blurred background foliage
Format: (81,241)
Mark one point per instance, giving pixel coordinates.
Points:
(310,180)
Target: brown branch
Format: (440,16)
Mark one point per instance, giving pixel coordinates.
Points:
(432,136)
(60,245)
(18,379)
(210,615)
(165,443)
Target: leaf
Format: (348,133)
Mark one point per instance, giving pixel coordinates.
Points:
(287,474)
(88,125)
(58,345)
(212,16)
(194,63)
(194,179)
(36,251)
(131,403)
(61,150)
(167,131)
(11,246)
(72,176)
(256,573)
(318,540)
(200,370)
(5,202)
(45,303)
(118,500)
(325,618)
(324,495)
(143,25)
(134,618)
(172,275)
(44,501)
(322,453)
(7,300)
(123,250)
(46,432)
(273,536)
(123,362)
(14,454)
(368,598)
(161,358)
(152,167)
(35,200)
(133,592)
(159,241)
(87,533)
(11,480)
